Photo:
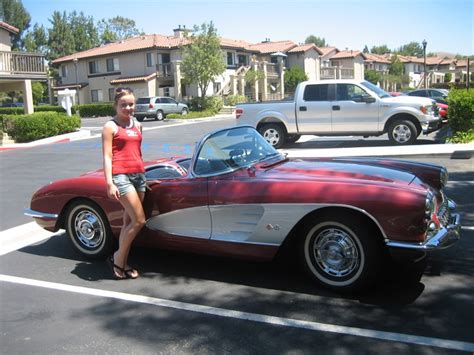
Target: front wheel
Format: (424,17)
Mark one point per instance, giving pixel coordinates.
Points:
(88,230)
(273,134)
(341,253)
(184,112)
(292,138)
(159,115)
(402,132)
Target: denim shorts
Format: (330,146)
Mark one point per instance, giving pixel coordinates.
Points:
(128,182)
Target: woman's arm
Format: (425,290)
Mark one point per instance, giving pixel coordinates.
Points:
(107,137)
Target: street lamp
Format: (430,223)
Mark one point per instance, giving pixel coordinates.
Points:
(75,61)
(424,43)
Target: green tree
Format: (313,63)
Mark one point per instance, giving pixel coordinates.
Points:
(38,91)
(293,77)
(448,77)
(372,76)
(117,28)
(366,49)
(202,58)
(14,13)
(411,49)
(318,41)
(380,49)
(86,35)
(36,40)
(60,36)
(396,66)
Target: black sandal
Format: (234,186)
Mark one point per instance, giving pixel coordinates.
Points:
(112,266)
(129,273)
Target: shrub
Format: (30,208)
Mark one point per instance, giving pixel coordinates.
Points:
(461,110)
(21,111)
(96,110)
(233,100)
(462,137)
(26,128)
(207,103)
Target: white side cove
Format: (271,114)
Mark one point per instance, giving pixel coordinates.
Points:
(267,224)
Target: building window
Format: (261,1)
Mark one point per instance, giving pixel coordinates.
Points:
(112,64)
(63,71)
(336,63)
(93,67)
(217,87)
(96,96)
(243,59)
(111,94)
(230,59)
(149,60)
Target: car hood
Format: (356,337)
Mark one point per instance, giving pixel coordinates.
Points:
(409,100)
(338,171)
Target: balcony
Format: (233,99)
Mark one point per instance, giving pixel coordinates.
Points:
(17,65)
(336,73)
(164,71)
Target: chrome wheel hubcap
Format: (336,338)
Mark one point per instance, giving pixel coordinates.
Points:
(335,252)
(271,136)
(401,133)
(89,229)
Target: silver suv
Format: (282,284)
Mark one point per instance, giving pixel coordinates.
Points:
(158,107)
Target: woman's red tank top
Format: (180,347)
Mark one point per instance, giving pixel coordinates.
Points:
(126,150)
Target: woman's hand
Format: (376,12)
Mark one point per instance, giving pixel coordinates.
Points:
(113,192)
(150,183)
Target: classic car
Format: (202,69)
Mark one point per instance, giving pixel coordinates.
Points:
(239,197)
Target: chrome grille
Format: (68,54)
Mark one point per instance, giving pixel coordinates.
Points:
(443,211)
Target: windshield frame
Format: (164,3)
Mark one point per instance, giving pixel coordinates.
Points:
(380,93)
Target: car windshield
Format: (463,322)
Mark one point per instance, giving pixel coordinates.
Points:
(375,89)
(228,150)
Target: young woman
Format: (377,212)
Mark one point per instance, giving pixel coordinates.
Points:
(124,173)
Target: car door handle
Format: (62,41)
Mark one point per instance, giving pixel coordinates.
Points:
(303,108)
(336,108)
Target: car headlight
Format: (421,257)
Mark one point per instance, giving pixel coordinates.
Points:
(430,205)
(443,177)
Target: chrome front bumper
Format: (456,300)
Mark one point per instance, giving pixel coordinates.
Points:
(35,214)
(443,239)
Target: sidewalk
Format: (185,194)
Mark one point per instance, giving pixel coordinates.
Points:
(50,140)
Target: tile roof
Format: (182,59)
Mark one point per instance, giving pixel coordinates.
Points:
(133,79)
(377,58)
(305,47)
(409,59)
(327,50)
(272,47)
(9,27)
(347,54)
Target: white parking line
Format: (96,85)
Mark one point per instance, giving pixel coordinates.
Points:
(254,317)
(22,236)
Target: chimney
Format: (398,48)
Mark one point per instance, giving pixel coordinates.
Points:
(180,31)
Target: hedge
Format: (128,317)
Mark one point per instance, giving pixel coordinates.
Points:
(208,103)
(232,100)
(461,110)
(43,108)
(97,110)
(27,128)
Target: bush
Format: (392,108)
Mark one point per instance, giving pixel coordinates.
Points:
(21,111)
(96,110)
(192,114)
(207,103)
(27,128)
(461,110)
(462,137)
(11,111)
(232,100)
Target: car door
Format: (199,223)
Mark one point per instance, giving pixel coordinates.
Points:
(168,105)
(350,113)
(313,111)
(178,207)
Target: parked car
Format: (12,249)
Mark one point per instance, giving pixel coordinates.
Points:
(239,197)
(439,95)
(341,108)
(158,107)
(443,111)
(12,104)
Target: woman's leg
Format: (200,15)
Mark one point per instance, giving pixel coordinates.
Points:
(134,219)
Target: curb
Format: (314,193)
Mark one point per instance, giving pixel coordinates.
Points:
(51,140)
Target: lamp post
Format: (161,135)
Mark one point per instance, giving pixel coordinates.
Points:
(75,61)
(424,43)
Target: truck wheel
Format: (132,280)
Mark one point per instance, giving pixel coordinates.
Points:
(159,115)
(273,134)
(402,132)
(292,138)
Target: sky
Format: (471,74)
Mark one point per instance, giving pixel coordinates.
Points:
(446,25)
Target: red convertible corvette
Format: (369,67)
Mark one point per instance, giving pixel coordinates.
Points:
(239,197)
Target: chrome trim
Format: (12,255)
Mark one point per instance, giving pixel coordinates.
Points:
(443,239)
(36,214)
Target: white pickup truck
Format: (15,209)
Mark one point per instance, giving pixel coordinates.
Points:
(341,108)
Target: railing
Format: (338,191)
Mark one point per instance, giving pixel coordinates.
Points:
(337,73)
(164,70)
(15,63)
(272,69)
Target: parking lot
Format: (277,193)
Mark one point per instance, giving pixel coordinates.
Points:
(54,301)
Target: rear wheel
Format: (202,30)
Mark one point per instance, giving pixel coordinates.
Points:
(159,115)
(341,253)
(273,134)
(88,230)
(184,112)
(402,132)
